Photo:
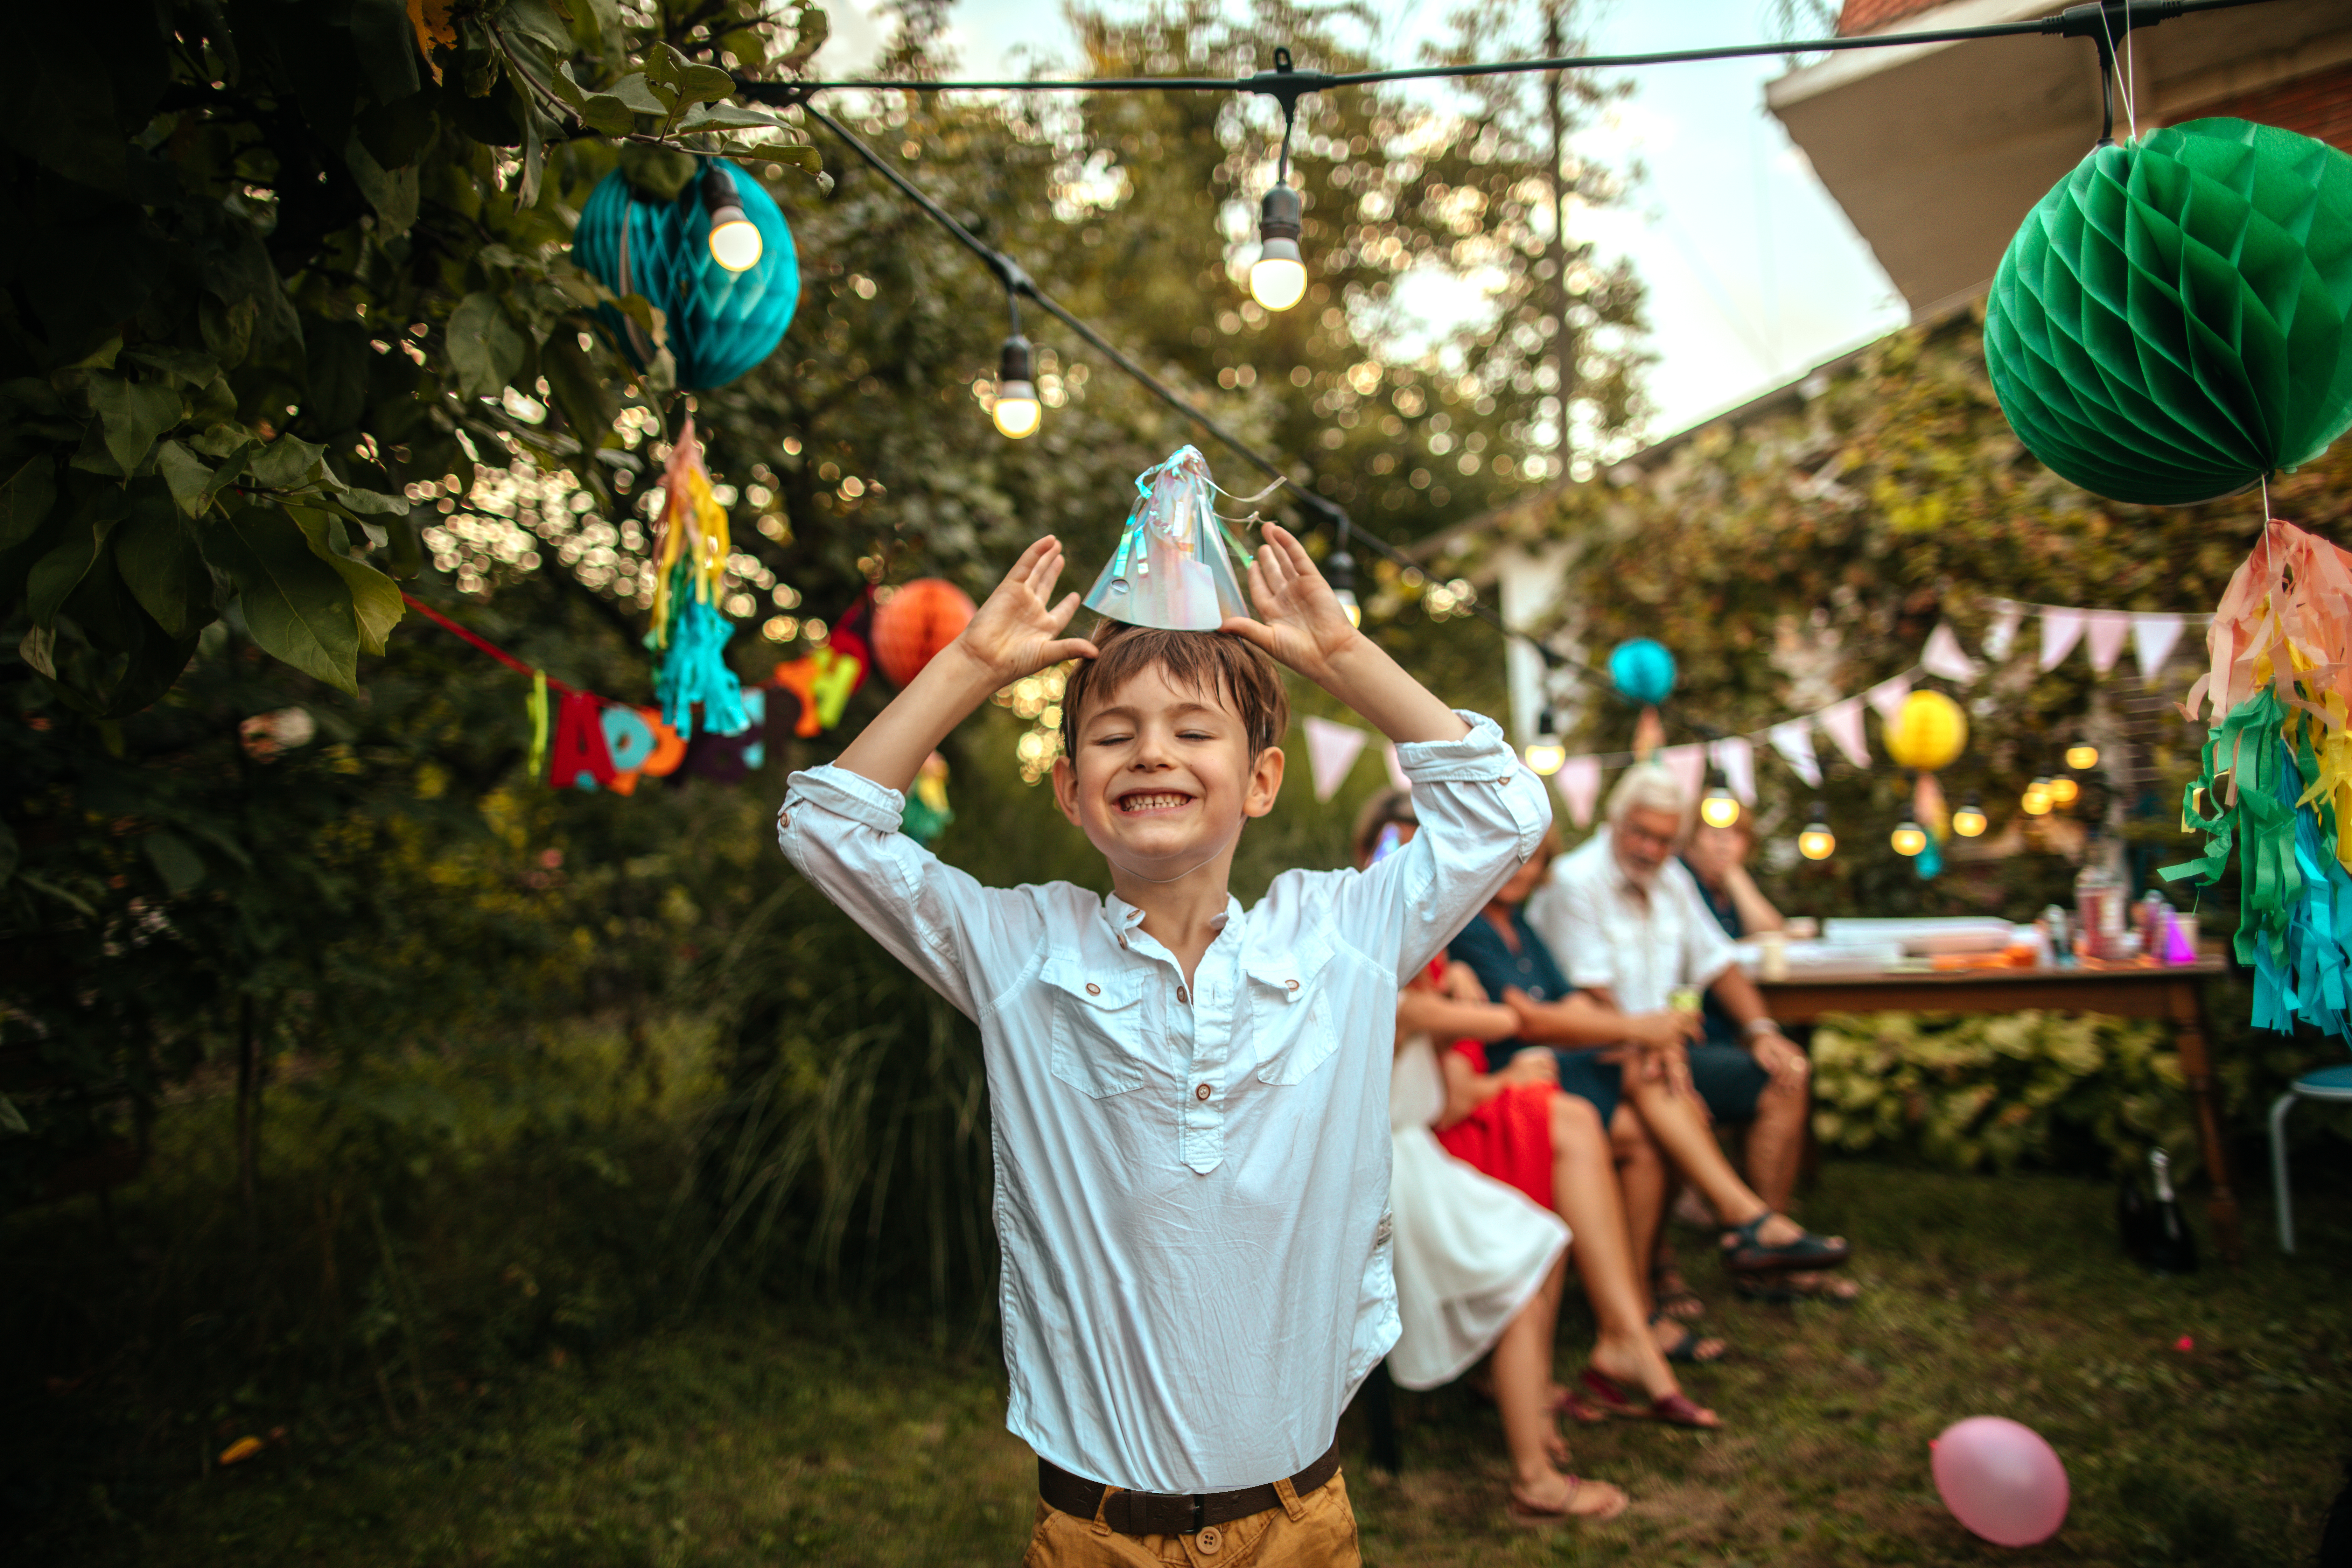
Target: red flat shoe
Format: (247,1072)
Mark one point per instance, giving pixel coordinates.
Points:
(1674,1410)
(1613,1502)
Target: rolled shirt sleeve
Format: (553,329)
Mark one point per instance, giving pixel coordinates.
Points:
(1482,813)
(840,830)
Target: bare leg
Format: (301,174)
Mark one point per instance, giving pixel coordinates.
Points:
(1682,1132)
(1586,1192)
(1523,1386)
(1775,1140)
(1642,1180)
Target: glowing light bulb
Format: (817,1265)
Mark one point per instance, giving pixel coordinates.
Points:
(1546,755)
(1347,598)
(2064,790)
(735,242)
(1817,842)
(1277,278)
(1969,820)
(1015,409)
(1720,809)
(1908,838)
(1339,571)
(2036,800)
(2082,756)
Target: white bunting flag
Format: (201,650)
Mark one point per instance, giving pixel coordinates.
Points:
(1886,698)
(2001,636)
(1396,767)
(1688,765)
(1332,749)
(2154,636)
(1943,656)
(2105,632)
(1794,742)
(2061,630)
(1736,756)
(1579,782)
(1841,721)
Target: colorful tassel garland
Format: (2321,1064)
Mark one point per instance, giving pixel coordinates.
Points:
(689,631)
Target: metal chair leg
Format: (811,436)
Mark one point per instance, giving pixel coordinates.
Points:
(2279,1107)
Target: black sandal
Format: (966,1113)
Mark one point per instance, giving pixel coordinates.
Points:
(1743,1253)
(1783,1291)
(1686,1348)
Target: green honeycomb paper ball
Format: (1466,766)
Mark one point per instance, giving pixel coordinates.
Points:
(2174,320)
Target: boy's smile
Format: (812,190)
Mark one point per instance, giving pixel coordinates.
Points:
(1163,779)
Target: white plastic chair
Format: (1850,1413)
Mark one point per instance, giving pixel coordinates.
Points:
(2320,1083)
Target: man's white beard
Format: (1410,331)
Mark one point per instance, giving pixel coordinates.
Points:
(1643,879)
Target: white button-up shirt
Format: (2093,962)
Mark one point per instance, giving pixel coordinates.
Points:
(1605,930)
(1192,1183)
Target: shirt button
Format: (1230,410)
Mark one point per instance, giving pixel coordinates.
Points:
(1201,1093)
(1209,1539)
(1290,984)
(1182,996)
(1093,989)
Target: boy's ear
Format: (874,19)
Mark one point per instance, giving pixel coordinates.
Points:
(1066,789)
(1266,783)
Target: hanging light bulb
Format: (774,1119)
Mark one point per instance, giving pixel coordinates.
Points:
(1277,278)
(1718,808)
(735,242)
(1545,753)
(1908,837)
(1817,842)
(1015,409)
(1339,571)
(2036,801)
(2063,790)
(2082,756)
(1969,820)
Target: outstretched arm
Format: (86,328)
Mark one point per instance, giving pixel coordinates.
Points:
(1018,632)
(1300,623)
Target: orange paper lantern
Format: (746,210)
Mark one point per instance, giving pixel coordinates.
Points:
(916,623)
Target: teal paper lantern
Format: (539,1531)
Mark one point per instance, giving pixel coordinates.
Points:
(721,322)
(2170,322)
(1642,672)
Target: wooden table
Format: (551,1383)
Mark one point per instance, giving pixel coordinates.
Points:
(2172,992)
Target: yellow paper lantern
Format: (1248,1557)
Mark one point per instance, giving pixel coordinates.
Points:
(1929,733)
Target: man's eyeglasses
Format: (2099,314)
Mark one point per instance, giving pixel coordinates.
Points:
(1630,834)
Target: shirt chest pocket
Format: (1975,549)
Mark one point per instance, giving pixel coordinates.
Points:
(1098,1028)
(1290,1012)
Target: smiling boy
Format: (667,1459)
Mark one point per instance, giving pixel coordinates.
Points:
(1189,1101)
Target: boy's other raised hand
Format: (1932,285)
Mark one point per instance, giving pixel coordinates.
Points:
(1299,619)
(1018,631)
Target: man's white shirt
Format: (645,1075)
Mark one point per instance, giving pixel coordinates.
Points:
(1607,931)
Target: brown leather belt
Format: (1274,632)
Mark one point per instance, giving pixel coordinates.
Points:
(1163,1513)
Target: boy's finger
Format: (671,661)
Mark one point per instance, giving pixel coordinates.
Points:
(1249,630)
(1069,649)
(1061,613)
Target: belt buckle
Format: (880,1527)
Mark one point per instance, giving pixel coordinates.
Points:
(1199,1500)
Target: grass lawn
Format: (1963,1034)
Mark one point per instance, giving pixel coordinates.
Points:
(767,1440)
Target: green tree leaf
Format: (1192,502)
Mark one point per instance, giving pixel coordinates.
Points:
(636,92)
(133,414)
(705,84)
(60,571)
(155,551)
(484,347)
(375,598)
(298,608)
(607,115)
(723,117)
(288,463)
(190,477)
(174,859)
(25,500)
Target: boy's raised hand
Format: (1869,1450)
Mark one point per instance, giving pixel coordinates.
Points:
(1018,631)
(1299,619)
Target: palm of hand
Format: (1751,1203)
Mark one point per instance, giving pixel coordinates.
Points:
(1299,619)
(1018,631)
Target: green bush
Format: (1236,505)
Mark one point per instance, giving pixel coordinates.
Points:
(1971,1092)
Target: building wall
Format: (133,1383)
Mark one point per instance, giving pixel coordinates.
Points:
(2319,105)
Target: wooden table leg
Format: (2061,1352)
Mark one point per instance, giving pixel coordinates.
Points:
(2189,1038)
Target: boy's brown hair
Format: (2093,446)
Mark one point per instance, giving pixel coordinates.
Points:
(1235,672)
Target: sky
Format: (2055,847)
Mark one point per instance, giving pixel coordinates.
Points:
(1754,274)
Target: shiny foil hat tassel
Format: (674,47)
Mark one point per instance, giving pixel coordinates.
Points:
(1173,568)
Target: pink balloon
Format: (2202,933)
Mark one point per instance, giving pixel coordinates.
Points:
(2000,1479)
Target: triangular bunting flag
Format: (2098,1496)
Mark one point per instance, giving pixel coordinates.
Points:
(1688,765)
(2001,636)
(2061,630)
(1579,782)
(1736,756)
(1943,657)
(1886,698)
(2105,631)
(1331,750)
(1794,742)
(2154,636)
(1841,721)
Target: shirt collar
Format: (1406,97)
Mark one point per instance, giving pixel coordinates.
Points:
(1124,916)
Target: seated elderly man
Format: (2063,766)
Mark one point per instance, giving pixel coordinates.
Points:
(1628,923)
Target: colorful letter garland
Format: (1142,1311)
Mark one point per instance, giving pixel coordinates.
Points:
(2277,775)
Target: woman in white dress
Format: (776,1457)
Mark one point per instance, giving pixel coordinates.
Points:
(1479,1268)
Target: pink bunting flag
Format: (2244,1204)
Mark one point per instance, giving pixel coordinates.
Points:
(2154,636)
(1736,756)
(1841,721)
(2104,631)
(2001,636)
(1887,697)
(2061,630)
(1944,657)
(1579,782)
(1396,767)
(1794,742)
(1688,765)
(1331,752)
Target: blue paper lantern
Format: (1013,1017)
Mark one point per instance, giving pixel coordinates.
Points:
(720,324)
(1642,672)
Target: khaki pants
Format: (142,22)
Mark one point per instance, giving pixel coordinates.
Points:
(1317,1531)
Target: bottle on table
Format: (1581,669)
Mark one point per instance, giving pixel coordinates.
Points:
(2099,919)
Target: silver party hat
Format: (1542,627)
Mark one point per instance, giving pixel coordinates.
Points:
(1174,564)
